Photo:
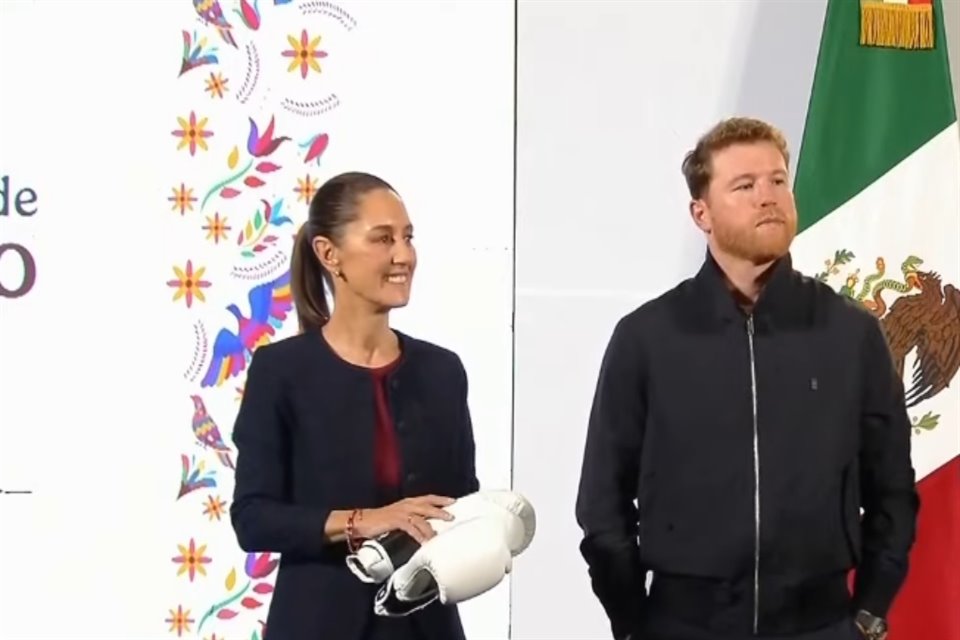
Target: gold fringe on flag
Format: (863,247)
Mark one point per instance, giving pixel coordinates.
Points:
(901,26)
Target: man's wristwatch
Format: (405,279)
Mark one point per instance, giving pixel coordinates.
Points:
(871,626)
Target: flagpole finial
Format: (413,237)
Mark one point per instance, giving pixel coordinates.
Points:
(898,25)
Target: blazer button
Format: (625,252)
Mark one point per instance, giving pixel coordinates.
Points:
(394,384)
(401,426)
(411,477)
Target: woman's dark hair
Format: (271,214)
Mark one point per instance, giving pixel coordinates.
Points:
(333,206)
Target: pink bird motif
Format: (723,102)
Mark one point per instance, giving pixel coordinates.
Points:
(207,432)
(315,147)
(249,13)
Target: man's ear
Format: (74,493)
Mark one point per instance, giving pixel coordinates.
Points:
(326,253)
(700,214)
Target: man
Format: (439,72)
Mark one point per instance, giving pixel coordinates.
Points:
(741,421)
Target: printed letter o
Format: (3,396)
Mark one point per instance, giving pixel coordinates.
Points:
(29,271)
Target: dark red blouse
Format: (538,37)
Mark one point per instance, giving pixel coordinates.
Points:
(386,453)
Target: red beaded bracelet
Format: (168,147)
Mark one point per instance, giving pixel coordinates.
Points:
(356,514)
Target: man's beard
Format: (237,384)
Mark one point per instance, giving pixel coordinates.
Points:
(756,245)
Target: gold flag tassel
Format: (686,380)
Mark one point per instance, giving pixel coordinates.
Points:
(901,26)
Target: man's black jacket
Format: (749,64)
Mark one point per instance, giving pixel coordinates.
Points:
(750,445)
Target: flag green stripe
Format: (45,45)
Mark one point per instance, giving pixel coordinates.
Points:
(869,109)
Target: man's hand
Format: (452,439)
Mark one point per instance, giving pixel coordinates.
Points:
(870,627)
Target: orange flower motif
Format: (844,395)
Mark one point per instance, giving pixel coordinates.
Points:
(182,198)
(304,53)
(189,284)
(216,228)
(306,187)
(191,560)
(216,85)
(180,620)
(192,133)
(214,508)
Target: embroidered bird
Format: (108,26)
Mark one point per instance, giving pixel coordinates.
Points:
(212,14)
(270,303)
(207,433)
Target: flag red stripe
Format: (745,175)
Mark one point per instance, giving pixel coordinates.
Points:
(928,606)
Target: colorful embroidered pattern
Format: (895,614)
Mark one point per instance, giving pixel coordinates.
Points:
(253,84)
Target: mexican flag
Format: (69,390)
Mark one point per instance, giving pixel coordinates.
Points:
(878,194)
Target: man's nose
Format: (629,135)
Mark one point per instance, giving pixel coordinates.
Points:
(766,193)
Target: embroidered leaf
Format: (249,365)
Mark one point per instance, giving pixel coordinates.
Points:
(263,588)
(229,192)
(257,220)
(251,603)
(227,614)
(231,579)
(248,254)
(267,167)
(270,239)
(843,256)
(253,182)
(233,158)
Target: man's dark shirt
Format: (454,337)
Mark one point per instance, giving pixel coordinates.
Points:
(750,445)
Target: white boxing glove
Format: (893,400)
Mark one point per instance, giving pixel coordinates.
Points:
(467,557)
(378,558)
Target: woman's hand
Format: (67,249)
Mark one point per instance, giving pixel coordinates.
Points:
(408,515)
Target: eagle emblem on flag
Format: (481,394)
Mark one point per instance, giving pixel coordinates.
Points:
(924,319)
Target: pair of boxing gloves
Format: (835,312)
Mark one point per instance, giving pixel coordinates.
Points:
(468,556)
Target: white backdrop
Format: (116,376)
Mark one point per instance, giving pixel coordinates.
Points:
(95,409)
(611,96)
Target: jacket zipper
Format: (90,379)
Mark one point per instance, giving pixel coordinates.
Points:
(756,480)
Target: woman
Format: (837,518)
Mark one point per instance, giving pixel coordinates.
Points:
(349,429)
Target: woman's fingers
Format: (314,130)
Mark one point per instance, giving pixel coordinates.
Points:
(424,528)
(417,528)
(428,511)
(435,500)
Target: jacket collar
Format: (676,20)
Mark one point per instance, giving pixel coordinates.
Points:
(781,301)
(409,348)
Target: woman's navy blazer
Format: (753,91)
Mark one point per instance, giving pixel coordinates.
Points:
(304,437)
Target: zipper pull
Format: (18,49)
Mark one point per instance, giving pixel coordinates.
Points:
(750,325)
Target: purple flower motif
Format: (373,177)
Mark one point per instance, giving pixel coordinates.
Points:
(260,567)
(262,146)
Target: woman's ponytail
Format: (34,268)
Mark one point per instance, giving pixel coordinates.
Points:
(306,281)
(332,208)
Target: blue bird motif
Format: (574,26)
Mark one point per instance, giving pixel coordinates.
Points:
(270,303)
